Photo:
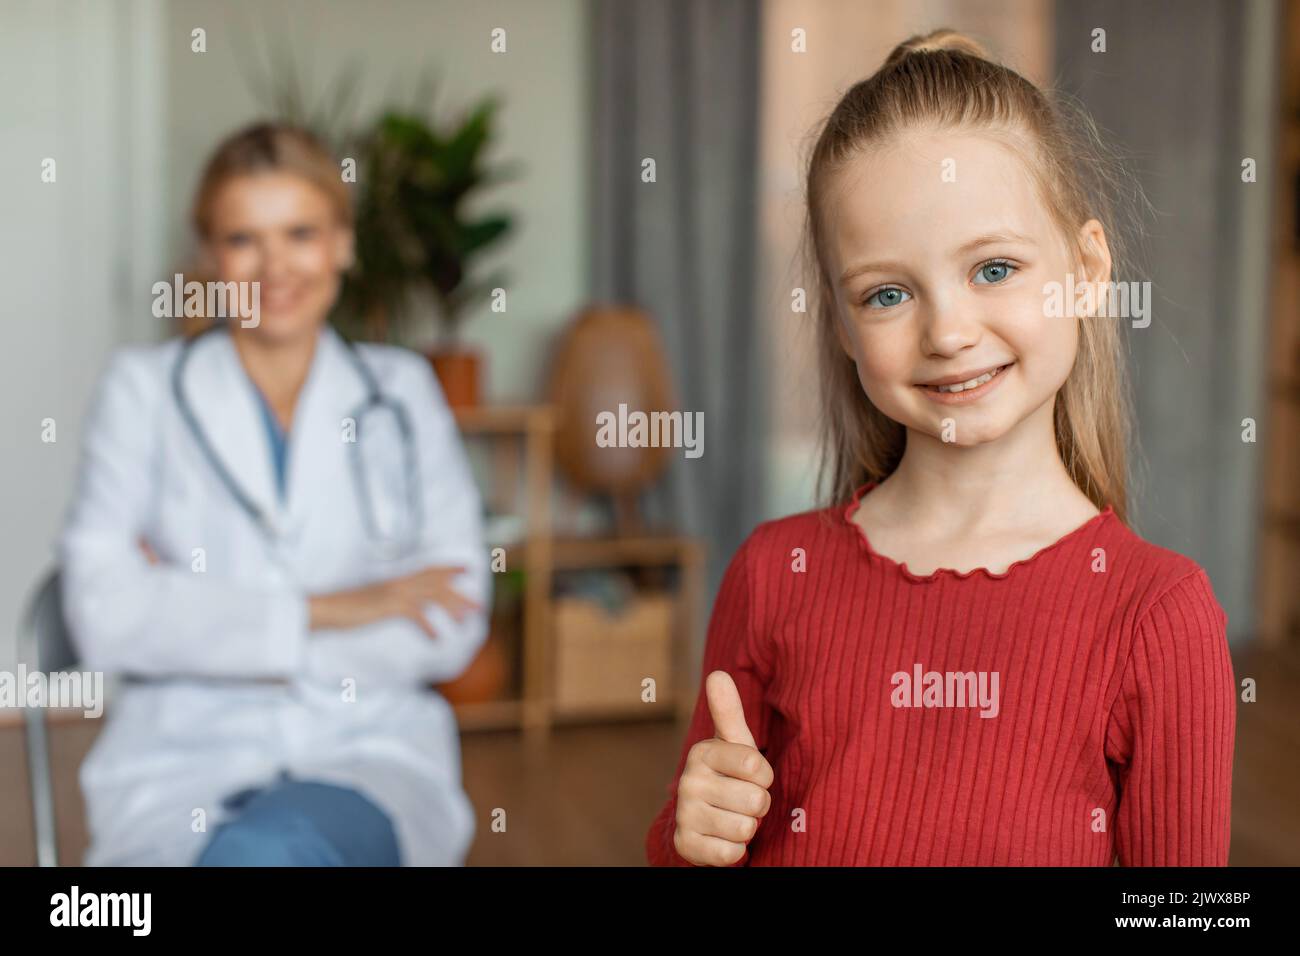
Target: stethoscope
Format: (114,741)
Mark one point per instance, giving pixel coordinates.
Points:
(375,401)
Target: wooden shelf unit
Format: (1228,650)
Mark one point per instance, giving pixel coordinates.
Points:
(541,554)
(530,429)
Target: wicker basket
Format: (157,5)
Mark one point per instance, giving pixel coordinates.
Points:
(601,659)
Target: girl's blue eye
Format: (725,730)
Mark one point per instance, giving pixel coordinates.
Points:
(887,297)
(994,272)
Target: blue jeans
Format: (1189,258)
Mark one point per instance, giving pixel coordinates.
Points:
(302,823)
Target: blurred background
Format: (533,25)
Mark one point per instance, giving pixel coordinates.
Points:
(543,113)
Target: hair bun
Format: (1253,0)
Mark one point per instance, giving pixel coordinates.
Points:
(937,40)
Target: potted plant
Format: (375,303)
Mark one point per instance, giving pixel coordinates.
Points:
(414,233)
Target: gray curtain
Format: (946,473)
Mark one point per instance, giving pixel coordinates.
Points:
(1184,88)
(677,80)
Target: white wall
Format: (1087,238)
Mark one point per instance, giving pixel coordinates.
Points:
(69,252)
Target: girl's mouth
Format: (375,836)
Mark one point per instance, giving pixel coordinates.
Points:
(962,393)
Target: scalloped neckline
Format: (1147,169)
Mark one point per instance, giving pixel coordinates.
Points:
(937,573)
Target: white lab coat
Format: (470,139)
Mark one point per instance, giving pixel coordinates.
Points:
(171,750)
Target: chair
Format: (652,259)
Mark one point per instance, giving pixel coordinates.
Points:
(44,645)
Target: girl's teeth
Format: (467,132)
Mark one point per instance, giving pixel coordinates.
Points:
(973,383)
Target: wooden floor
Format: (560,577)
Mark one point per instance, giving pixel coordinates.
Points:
(588,797)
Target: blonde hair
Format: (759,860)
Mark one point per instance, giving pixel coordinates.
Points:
(945,79)
(270,147)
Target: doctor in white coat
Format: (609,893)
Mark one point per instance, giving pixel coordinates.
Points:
(276,540)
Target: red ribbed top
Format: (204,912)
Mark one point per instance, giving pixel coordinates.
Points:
(1115,703)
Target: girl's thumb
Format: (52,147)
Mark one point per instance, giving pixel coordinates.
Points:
(727,711)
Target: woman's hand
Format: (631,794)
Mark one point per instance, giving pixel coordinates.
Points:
(722,795)
(403,596)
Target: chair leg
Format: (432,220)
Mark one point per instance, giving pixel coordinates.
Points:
(42,790)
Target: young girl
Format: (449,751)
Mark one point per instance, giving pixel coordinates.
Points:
(970,659)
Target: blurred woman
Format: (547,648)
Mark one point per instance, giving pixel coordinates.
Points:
(276,541)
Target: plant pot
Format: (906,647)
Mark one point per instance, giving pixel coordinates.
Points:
(458,372)
(485,679)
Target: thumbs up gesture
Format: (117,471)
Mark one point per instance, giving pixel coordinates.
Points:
(722,795)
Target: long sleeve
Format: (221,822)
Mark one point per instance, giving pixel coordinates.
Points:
(128,615)
(731,647)
(397,650)
(1171,733)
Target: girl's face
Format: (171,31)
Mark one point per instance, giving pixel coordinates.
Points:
(941,249)
(280,230)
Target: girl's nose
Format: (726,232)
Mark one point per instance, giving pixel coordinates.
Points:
(948,326)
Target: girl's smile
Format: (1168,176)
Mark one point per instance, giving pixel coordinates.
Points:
(960,390)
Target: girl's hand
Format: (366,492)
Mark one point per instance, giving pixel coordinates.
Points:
(722,795)
(404,596)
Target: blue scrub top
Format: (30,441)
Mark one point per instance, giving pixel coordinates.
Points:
(278,439)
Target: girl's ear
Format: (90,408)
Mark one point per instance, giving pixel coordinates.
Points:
(1094,254)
